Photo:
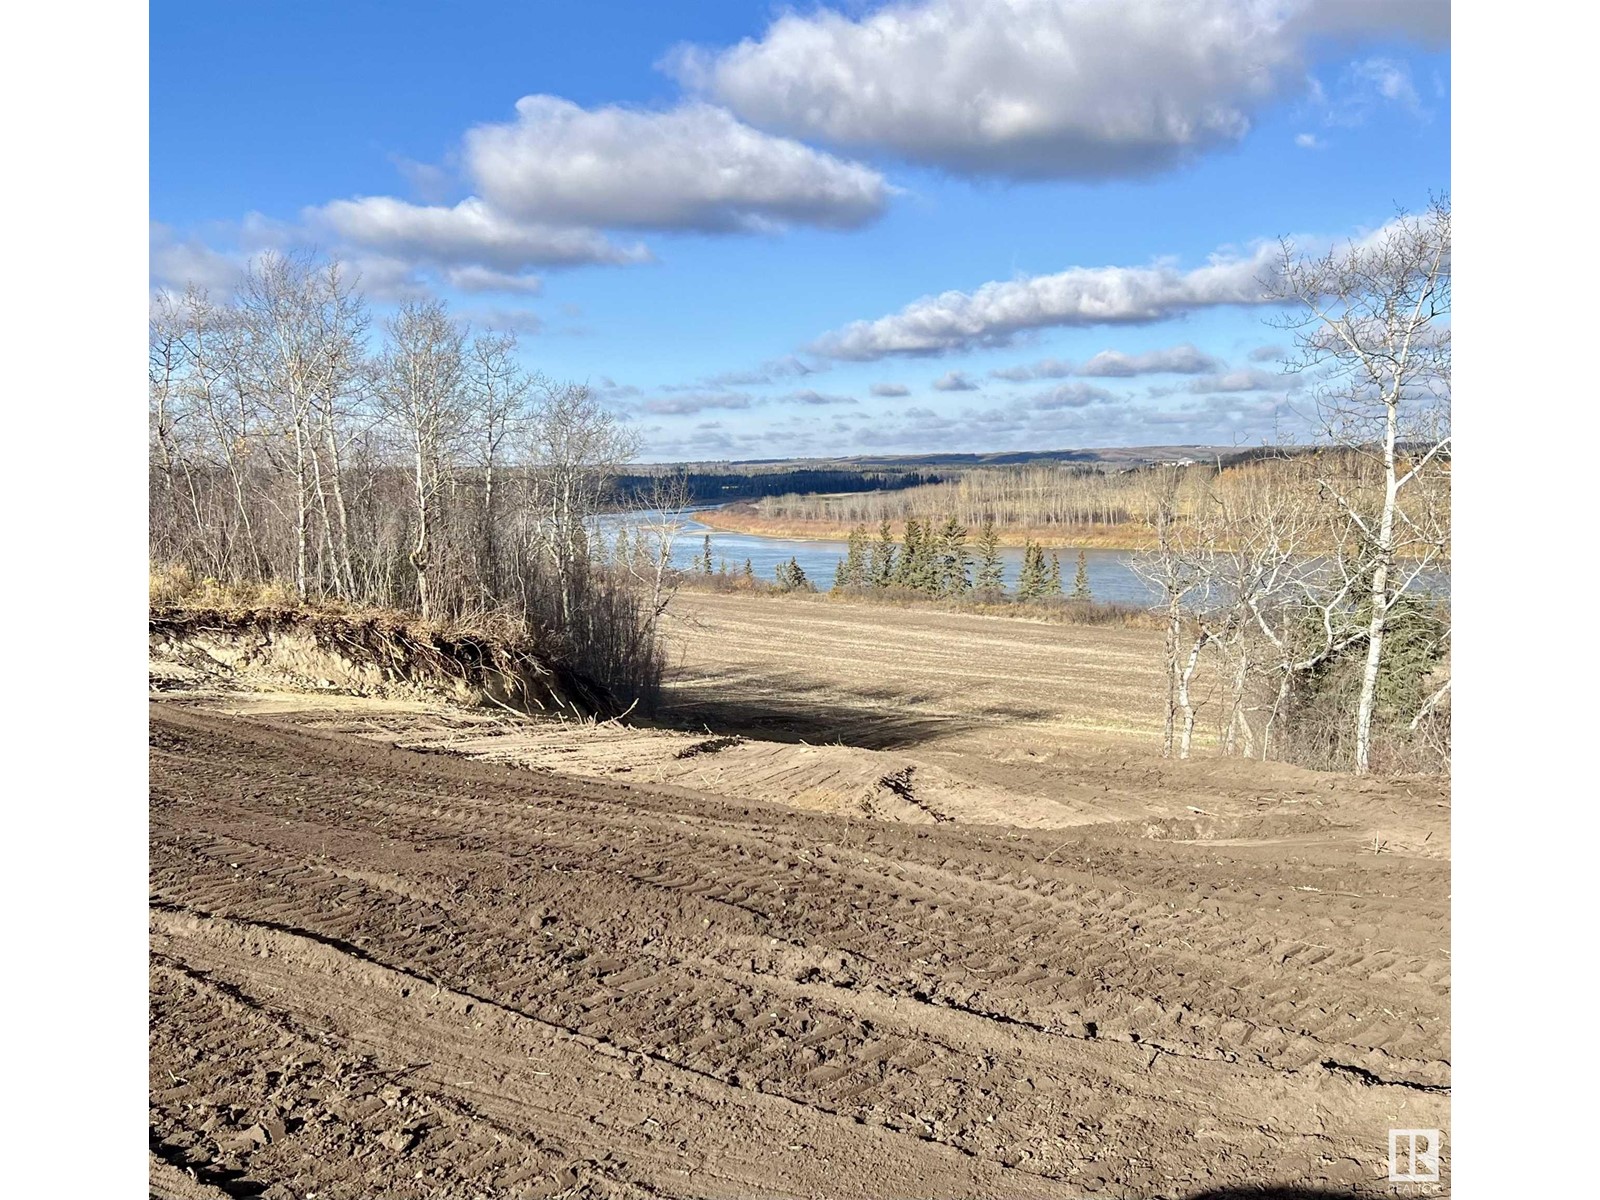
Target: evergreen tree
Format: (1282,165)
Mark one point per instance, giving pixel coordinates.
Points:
(749,571)
(991,578)
(951,560)
(1035,574)
(1052,583)
(905,571)
(705,556)
(792,577)
(841,576)
(1080,581)
(854,563)
(883,556)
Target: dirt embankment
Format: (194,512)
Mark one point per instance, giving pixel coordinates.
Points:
(379,972)
(366,653)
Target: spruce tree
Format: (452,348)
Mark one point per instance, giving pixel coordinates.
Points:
(883,556)
(906,571)
(991,578)
(705,556)
(952,560)
(1031,584)
(1080,581)
(791,576)
(1052,583)
(749,571)
(854,563)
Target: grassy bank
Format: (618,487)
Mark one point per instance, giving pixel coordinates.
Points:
(1058,612)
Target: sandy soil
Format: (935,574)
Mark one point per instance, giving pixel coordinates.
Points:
(976,939)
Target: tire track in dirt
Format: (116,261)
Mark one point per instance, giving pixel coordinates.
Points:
(960,992)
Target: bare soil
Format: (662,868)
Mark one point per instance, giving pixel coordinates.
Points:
(401,950)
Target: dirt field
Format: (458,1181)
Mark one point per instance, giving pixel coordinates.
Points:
(401,951)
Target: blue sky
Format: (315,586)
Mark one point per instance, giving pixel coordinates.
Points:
(768,232)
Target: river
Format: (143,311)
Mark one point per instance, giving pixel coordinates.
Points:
(1111,575)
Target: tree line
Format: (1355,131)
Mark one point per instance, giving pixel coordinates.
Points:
(413,464)
(936,559)
(1053,498)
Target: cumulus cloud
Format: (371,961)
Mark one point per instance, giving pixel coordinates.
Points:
(696,402)
(1070,89)
(483,279)
(1071,395)
(693,167)
(1175,360)
(177,262)
(1309,141)
(814,398)
(1250,379)
(890,390)
(470,233)
(954,381)
(1272,353)
(997,312)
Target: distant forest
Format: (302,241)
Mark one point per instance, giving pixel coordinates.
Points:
(633,489)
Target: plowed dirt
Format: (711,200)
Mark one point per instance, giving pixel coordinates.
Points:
(378,971)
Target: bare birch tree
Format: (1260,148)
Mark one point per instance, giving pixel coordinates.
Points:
(420,395)
(499,396)
(1372,330)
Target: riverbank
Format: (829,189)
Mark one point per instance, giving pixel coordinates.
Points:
(743,518)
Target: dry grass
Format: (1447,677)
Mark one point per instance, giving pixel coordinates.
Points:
(1056,612)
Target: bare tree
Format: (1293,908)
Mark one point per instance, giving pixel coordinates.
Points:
(303,325)
(1173,571)
(1373,334)
(577,448)
(420,395)
(498,395)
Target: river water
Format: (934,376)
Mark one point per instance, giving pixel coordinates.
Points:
(1111,575)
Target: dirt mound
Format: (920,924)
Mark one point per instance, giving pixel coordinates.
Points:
(367,653)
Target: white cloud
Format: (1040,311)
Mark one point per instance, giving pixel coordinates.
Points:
(1174,360)
(815,398)
(483,279)
(470,233)
(697,402)
(1309,141)
(954,381)
(1071,395)
(175,262)
(1026,88)
(1250,379)
(890,390)
(994,314)
(693,167)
